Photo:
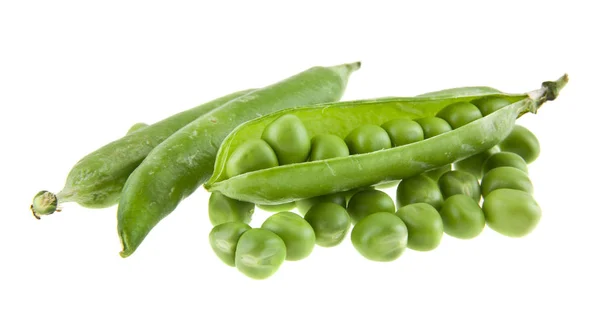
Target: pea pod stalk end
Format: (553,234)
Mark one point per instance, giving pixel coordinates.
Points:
(44,203)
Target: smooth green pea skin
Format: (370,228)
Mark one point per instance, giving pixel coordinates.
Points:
(296,233)
(505,177)
(278,207)
(304,205)
(252,155)
(460,183)
(462,217)
(222,209)
(505,159)
(435,174)
(289,139)
(259,253)
(433,126)
(330,222)
(367,202)
(459,114)
(489,104)
(352,192)
(367,138)
(522,142)
(403,131)
(510,212)
(424,224)
(326,146)
(380,236)
(474,164)
(419,189)
(224,238)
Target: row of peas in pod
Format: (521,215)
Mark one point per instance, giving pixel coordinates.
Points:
(427,205)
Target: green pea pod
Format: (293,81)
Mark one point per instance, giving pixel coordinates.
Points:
(97,179)
(286,183)
(184,161)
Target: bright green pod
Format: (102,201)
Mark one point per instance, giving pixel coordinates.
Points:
(505,177)
(512,213)
(224,238)
(330,222)
(367,138)
(253,155)
(327,146)
(278,207)
(223,209)
(288,138)
(304,205)
(459,114)
(380,237)
(259,253)
(505,159)
(403,131)
(462,217)
(180,164)
(317,178)
(522,142)
(424,224)
(367,202)
(136,127)
(460,183)
(474,164)
(296,233)
(419,189)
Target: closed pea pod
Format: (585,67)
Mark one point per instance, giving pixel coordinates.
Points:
(136,127)
(184,161)
(323,177)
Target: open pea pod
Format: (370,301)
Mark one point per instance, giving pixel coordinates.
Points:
(297,181)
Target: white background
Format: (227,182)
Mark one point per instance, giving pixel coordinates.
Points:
(75,76)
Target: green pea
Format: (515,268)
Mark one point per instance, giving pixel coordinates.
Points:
(259,253)
(304,205)
(252,155)
(489,104)
(289,139)
(424,224)
(522,142)
(435,174)
(352,192)
(505,177)
(367,138)
(224,238)
(459,114)
(222,209)
(368,202)
(460,183)
(474,164)
(277,207)
(462,217)
(330,222)
(505,159)
(327,146)
(419,189)
(296,233)
(403,131)
(380,236)
(511,212)
(433,126)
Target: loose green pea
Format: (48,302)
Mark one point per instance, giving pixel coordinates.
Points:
(289,139)
(462,217)
(419,189)
(222,209)
(459,114)
(522,142)
(505,159)
(352,192)
(489,104)
(474,164)
(511,212)
(327,146)
(403,131)
(367,138)
(368,202)
(296,233)
(278,207)
(505,177)
(460,183)
(224,238)
(252,155)
(424,224)
(259,253)
(330,222)
(433,126)
(380,236)
(304,205)
(435,174)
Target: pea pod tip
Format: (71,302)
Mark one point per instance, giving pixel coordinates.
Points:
(44,203)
